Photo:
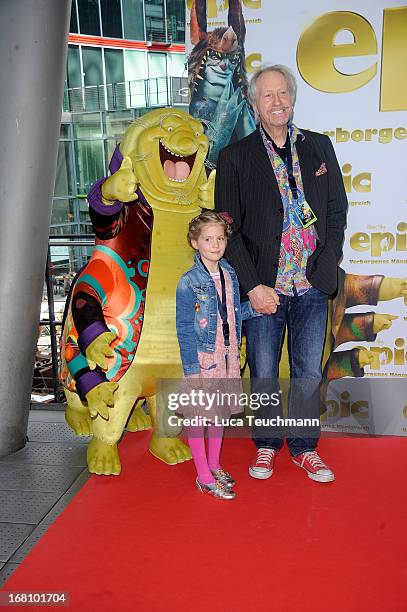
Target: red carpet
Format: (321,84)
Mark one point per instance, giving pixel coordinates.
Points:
(148,540)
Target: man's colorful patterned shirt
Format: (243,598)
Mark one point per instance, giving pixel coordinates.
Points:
(297,243)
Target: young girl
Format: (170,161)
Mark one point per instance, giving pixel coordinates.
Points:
(209,319)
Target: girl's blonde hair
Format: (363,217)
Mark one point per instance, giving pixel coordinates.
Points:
(205,218)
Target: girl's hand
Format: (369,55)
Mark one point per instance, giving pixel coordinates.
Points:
(193,382)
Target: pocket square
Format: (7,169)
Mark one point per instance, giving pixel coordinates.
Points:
(321,170)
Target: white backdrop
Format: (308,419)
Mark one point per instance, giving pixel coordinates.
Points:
(350,60)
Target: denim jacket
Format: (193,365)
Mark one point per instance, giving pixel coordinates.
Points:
(197,301)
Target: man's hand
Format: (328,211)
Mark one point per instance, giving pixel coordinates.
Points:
(264,299)
(121,185)
(100,399)
(206,195)
(99,349)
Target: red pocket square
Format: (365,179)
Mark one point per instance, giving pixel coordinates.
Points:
(321,170)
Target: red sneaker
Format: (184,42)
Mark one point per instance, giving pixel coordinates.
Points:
(263,467)
(316,469)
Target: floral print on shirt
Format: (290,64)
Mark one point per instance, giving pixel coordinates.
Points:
(297,243)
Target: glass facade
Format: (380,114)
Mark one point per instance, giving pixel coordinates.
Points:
(90,165)
(148,20)
(156,26)
(114,66)
(89,152)
(102,78)
(62,215)
(177,66)
(111,18)
(85,147)
(73,27)
(74,71)
(133,19)
(116,124)
(115,81)
(176,20)
(65,211)
(89,18)
(136,72)
(64,178)
(92,66)
(157,79)
(92,63)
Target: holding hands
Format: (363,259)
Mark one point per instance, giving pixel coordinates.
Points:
(264,299)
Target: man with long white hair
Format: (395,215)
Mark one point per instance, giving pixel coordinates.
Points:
(283,188)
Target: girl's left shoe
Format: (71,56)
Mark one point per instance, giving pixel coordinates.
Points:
(224,477)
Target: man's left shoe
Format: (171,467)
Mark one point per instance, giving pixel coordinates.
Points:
(223,477)
(316,469)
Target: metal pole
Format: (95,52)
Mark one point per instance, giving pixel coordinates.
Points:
(165,22)
(52,327)
(33,48)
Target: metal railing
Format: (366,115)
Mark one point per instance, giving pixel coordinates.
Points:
(159,31)
(142,93)
(45,381)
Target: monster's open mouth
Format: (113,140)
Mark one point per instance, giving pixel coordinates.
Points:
(176,167)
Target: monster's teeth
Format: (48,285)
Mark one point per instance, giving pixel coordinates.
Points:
(172,152)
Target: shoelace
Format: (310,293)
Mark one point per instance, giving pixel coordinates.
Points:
(221,472)
(219,487)
(265,456)
(315,460)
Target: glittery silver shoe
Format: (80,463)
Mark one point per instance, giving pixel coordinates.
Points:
(216,489)
(224,477)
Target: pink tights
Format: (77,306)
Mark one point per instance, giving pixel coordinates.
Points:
(196,441)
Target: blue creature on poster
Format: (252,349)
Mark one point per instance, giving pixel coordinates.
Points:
(218,80)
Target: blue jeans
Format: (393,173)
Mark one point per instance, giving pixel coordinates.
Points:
(305,317)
